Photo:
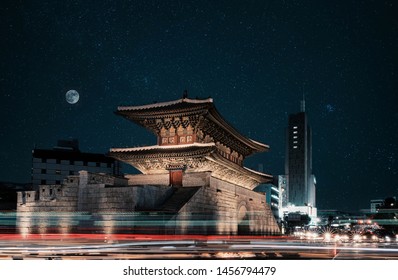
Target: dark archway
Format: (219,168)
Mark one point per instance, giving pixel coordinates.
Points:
(243,221)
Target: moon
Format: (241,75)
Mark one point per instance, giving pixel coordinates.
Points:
(72,96)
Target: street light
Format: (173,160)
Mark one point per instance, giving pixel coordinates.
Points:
(327,237)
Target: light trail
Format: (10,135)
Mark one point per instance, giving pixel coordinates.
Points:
(190,246)
(93,248)
(321,247)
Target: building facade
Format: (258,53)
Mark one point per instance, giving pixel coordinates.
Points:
(193,180)
(375,204)
(301,183)
(272,197)
(51,167)
(282,185)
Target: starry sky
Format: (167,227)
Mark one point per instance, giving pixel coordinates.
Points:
(254,58)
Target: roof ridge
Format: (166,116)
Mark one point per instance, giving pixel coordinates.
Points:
(165,104)
(145,148)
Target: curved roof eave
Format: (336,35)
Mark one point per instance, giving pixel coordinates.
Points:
(255,145)
(212,112)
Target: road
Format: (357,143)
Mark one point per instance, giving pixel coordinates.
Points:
(186,247)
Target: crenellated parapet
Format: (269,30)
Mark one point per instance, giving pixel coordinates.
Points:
(88,178)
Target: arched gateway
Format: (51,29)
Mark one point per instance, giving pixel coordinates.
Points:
(196,147)
(193,180)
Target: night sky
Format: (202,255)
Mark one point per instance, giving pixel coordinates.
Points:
(254,58)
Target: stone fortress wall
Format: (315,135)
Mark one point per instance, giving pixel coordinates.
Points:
(208,206)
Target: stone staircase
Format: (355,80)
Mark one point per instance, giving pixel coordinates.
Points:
(178,199)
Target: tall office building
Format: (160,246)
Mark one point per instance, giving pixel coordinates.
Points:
(298,166)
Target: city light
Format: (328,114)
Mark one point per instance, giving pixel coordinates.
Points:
(356,238)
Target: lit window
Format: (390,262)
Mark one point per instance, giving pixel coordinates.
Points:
(294,137)
(294,127)
(294,132)
(294,147)
(294,142)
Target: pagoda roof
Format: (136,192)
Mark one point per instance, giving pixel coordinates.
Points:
(202,111)
(164,149)
(196,157)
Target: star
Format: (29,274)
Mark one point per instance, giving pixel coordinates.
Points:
(330,108)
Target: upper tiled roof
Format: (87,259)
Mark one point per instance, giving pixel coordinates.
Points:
(165,104)
(203,115)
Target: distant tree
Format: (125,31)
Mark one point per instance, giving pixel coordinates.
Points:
(297,219)
(330,220)
(305,220)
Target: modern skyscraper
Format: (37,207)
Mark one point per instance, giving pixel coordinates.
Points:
(298,165)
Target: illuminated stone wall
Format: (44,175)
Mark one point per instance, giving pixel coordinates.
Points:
(225,208)
(98,201)
(60,198)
